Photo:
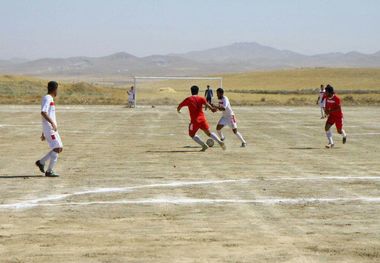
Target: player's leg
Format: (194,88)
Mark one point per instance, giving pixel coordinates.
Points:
(53,161)
(221,123)
(240,137)
(206,129)
(41,163)
(329,134)
(219,128)
(55,143)
(233,126)
(322,112)
(340,130)
(193,128)
(215,138)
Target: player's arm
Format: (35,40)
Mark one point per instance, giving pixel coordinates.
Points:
(212,107)
(181,105)
(48,119)
(222,107)
(318,100)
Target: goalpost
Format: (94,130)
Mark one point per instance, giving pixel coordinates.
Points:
(136,80)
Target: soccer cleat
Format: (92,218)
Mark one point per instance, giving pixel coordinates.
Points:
(344,139)
(40,166)
(222,138)
(329,146)
(204,148)
(223,146)
(51,174)
(244,144)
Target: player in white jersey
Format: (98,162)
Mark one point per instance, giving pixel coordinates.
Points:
(50,131)
(228,117)
(321,101)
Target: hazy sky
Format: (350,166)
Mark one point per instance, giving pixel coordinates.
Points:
(62,28)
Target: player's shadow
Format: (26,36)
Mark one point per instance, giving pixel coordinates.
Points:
(20,176)
(179,151)
(173,151)
(303,148)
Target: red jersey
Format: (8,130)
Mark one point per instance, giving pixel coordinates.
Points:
(333,106)
(195,104)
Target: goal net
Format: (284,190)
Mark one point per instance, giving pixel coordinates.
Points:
(170,90)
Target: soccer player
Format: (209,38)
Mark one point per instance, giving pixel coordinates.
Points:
(198,119)
(321,101)
(333,110)
(50,131)
(228,117)
(208,95)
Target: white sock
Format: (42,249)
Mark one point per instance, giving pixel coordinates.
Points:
(199,141)
(329,137)
(220,134)
(45,158)
(216,138)
(344,133)
(53,160)
(238,134)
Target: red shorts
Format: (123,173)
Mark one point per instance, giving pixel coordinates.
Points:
(338,121)
(195,126)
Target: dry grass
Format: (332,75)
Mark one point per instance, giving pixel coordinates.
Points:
(242,88)
(28,90)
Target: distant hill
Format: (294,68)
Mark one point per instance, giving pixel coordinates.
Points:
(238,57)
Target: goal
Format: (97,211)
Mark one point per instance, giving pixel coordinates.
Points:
(168,89)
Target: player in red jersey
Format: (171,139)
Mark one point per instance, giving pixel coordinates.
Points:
(333,110)
(198,119)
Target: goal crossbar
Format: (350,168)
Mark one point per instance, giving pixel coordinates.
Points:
(136,78)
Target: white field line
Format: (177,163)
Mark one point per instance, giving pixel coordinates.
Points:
(41,201)
(191,201)
(36,202)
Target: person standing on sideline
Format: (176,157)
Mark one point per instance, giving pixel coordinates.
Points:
(50,131)
(208,95)
(321,101)
(131,97)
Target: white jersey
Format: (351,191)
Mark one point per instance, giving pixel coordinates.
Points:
(48,106)
(225,103)
(320,99)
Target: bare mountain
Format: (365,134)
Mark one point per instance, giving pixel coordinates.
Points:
(237,57)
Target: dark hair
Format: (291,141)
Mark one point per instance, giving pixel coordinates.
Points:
(194,90)
(329,89)
(220,90)
(52,86)
(208,86)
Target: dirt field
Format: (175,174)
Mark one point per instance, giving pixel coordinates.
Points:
(134,188)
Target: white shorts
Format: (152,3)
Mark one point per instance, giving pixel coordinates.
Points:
(229,121)
(53,139)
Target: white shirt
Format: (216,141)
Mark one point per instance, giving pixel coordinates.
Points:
(225,103)
(48,106)
(320,99)
(131,95)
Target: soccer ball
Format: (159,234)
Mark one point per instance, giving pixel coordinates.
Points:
(210,142)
